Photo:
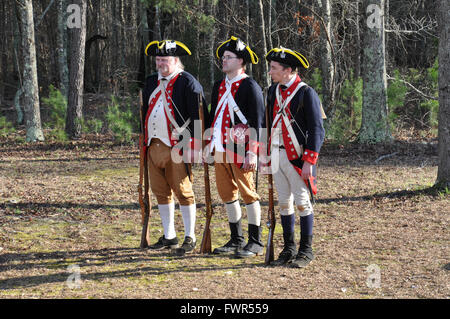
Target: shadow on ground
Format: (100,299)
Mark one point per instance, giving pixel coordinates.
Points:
(99,258)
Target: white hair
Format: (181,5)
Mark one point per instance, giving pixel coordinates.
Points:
(179,63)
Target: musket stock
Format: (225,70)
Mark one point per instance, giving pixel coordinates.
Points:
(313,200)
(143,190)
(205,247)
(270,223)
(271,212)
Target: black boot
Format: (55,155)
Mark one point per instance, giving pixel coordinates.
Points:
(236,242)
(288,253)
(305,254)
(254,246)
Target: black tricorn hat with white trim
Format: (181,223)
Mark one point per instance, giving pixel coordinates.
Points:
(238,47)
(287,57)
(167,48)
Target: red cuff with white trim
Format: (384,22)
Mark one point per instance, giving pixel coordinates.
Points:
(310,157)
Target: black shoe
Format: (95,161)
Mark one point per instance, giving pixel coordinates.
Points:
(250,250)
(187,247)
(305,253)
(164,243)
(302,260)
(228,248)
(286,256)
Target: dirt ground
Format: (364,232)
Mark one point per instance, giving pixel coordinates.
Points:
(70,228)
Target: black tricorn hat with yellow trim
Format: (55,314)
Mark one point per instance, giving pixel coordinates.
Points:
(167,48)
(287,57)
(238,47)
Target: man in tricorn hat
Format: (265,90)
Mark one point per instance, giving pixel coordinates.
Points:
(170,108)
(297,133)
(237,111)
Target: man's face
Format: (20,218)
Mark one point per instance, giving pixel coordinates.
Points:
(230,62)
(278,73)
(166,65)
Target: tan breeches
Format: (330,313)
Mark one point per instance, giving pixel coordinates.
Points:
(167,176)
(231,181)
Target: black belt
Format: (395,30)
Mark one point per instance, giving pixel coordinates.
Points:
(282,146)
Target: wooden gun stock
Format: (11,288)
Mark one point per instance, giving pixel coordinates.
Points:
(143,190)
(313,200)
(205,247)
(271,224)
(271,220)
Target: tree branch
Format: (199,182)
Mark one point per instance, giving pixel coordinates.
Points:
(44,13)
(413,87)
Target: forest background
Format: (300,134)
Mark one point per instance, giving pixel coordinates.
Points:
(115,65)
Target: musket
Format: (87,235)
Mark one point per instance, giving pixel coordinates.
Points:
(308,182)
(143,190)
(271,220)
(205,247)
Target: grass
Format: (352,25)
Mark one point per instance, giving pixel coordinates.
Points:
(78,206)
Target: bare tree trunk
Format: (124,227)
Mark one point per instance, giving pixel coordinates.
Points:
(247,32)
(144,68)
(357,72)
(211,39)
(262,31)
(62,49)
(443,177)
(4,46)
(374,126)
(18,99)
(326,58)
(76,76)
(269,26)
(123,40)
(30,80)
(158,28)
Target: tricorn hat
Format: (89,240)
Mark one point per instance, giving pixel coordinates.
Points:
(167,48)
(288,57)
(238,47)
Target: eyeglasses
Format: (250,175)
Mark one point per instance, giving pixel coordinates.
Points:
(223,58)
